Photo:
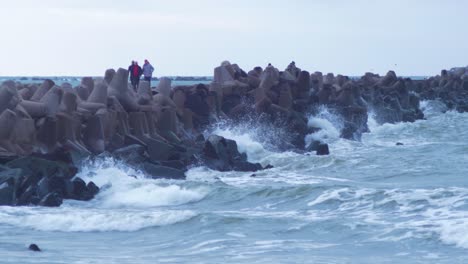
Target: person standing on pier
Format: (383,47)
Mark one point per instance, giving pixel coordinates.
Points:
(135,74)
(148,71)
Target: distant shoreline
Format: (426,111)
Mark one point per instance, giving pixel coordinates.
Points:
(42,78)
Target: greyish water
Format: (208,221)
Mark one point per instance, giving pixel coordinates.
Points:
(368,202)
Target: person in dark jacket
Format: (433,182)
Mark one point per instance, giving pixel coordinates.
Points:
(135,72)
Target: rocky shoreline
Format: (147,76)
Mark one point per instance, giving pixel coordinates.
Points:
(46,130)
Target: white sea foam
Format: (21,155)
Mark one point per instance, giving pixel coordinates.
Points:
(371,121)
(254,143)
(432,107)
(127,202)
(330,126)
(245,143)
(327,132)
(454,231)
(125,187)
(403,214)
(71,219)
(238,235)
(293,244)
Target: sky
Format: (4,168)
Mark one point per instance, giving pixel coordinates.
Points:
(190,38)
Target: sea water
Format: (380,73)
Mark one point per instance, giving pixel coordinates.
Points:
(367,202)
(75,81)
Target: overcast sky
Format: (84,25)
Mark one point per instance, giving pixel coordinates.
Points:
(85,37)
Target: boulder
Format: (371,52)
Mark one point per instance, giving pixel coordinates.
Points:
(34,247)
(132,154)
(99,93)
(82,191)
(42,90)
(222,154)
(163,172)
(51,200)
(7,194)
(8,96)
(79,189)
(28,197)
(164,86)
(322,149)
(158,150)
(93,189)
(7,123)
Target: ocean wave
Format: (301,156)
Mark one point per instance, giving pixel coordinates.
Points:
(410,213)
(329,123)
(245,143)
(125,187)
(71,219)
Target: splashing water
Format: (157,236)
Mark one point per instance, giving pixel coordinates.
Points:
(330,126)
(135,191)
(367,202)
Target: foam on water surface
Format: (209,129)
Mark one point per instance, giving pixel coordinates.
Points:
(125,187)
(369,200)
(72,219)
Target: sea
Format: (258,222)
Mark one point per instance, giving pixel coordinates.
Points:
(367,202)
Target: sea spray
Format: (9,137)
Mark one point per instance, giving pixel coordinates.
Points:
(130,188)
(369,199)
(128,201)
(271,134)
(329,126)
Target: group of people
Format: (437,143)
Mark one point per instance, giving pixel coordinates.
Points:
(136,72)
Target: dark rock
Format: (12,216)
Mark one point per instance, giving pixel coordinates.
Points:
(216,164)
(93,189)
(7,194)
(27,182)
(129,150)
(159,150)
(131,154)
(10,176)
(82,191)
(79,189)
(229,102)
(322,149)
(162,172)
(6,156)
(59,155)
(34,247)
(217,147)
(247,166)
(313,146)
(197,101)
(115,142)
(51,200)
(222,154)
(200,138)
(9,182)
(175,164)
(132,140)
(38,166)
(43,187)
(28,197)
(60,186)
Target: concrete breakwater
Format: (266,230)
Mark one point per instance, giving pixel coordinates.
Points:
(160,129)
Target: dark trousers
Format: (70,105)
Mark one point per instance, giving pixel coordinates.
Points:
(135,82)
(148,79)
